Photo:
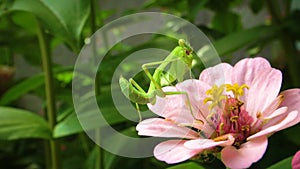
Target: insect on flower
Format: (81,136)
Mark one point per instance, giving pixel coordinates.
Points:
(239,114)
(180,61)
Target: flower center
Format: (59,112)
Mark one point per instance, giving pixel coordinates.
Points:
(228,112)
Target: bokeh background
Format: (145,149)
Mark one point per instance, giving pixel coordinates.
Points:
(41,39)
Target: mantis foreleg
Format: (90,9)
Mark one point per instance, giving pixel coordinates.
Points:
(156,78)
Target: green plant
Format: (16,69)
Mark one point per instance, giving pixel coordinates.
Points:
(53,137)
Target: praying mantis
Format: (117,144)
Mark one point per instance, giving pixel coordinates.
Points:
(180,58)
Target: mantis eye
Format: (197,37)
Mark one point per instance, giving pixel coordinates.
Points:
(188,52)
(181,42)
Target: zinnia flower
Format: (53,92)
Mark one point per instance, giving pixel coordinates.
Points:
(229,112)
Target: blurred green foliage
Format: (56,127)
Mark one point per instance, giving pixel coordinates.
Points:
(69,23)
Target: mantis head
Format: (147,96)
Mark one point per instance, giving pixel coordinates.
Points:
(187,52)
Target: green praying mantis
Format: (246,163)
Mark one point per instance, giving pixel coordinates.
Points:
(179,62)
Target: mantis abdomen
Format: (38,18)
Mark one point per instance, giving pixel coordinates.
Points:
(134,95)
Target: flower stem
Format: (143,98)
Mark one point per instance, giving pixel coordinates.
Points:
(99,152)
(49,90)
(286,41)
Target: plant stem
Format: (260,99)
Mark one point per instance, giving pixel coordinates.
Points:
(84,144)
(99,152)
(47,154)
(287,43)
(49,90)
(287,7)
(93,43)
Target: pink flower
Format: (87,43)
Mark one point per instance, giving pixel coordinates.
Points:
(229,111)
(296,161)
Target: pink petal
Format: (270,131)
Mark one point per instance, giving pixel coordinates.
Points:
(196,91)
(208,143)
(161,107)
(296,161)
(263,90)
(248,153)
(273,106)
(276,127)
(219,74)
(292,101)
(279,112)
(293,122)
(255,70)
(248,69)
(174,151)
(158,127)
(172,107)
(266,121)
(176,106)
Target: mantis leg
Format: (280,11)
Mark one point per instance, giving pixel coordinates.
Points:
(153,78)
(135,84)
(139,112)
(187,97)
(139,88)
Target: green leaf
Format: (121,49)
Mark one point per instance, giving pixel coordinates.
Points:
(188,165)
(226,22)
(64,19)
(21,88)
(235,41)
(112,159)
(25,20)
(92,157)
(71,125)
(18,124)
(4,6)
(256,5)
(285,163)
(194,7)
(26,86)
(216,6)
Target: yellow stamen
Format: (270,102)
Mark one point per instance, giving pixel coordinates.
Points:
(234,118)
(216,93)
(216,96)
(221,128)
(259,115)
(236,89)
(246,128)
(222,138)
